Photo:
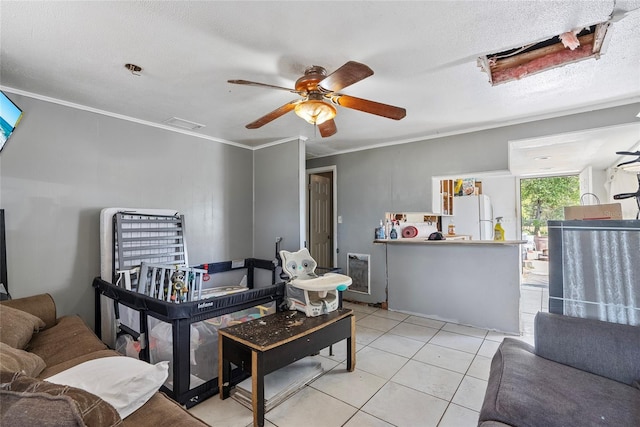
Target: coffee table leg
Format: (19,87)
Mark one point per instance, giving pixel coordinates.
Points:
(257,386)
(351,346)
(224,371)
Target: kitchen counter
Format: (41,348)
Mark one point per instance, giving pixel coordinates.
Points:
(470,282)
(450,240)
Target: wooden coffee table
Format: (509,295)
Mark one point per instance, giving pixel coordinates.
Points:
(264,345)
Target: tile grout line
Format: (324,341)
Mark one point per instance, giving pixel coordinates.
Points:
(406,321)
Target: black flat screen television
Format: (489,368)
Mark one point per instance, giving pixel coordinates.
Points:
(10,116)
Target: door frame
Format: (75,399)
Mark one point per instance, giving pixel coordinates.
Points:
(334,190)
(519,178)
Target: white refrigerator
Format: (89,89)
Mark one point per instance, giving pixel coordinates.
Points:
(473,216)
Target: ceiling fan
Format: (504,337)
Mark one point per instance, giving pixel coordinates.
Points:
(319,93)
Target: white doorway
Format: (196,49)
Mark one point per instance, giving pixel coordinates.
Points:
(543,198)
(322,223)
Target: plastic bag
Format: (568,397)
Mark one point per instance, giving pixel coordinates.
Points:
(163,336)
(126,345)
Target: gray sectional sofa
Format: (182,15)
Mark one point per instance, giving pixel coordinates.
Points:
(581,372)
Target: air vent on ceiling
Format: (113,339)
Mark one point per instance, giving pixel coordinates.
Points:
(184,124)
(522,61)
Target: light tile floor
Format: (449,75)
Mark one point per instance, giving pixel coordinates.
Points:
(410,371)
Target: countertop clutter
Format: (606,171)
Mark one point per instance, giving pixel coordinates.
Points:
(450,240)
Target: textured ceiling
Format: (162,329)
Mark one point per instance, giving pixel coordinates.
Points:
(423,54)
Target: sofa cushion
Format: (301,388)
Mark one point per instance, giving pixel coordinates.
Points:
(38,409)
(56,369)
(160,410)
(126,383)
(16,360)
(68,339)
(528,390)
(17,326)
(42,306)
(566,340)
(52,401)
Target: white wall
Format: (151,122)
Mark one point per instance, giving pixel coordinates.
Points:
(599,183)
(502,192)
(623,181)
(593,181)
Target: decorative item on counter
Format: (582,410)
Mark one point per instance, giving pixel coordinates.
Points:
(409,232)
(380,235)
(437,236)
(498,231)
(394,233)
(451,229)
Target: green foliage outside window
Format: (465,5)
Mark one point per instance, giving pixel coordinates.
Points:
(544,199)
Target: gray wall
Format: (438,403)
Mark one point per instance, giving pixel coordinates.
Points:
(63,165)
(277,171)
(398,178)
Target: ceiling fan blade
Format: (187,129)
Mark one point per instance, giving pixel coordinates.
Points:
(372,107)
(350,73)
(328,128)
(273,115)
(250,83)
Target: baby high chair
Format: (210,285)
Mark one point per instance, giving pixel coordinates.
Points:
(306,291)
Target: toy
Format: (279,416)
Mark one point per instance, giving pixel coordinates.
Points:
(179,289)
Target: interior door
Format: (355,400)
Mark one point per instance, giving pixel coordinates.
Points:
(320,219)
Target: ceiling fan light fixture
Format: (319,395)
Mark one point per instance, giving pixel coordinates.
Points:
(315,111)
(320,98)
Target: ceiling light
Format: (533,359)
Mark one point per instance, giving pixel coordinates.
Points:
(542,158)
(315,111)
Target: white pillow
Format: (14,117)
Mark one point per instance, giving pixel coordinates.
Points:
(124,382)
